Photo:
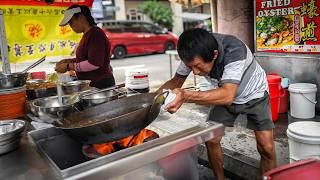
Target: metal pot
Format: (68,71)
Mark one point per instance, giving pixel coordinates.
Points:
(8,81)
(49,109)
(38,88)
(75,86)
(98,98)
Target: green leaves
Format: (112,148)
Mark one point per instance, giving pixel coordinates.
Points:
(157,12)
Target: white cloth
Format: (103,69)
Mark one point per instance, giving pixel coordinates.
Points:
(170,98)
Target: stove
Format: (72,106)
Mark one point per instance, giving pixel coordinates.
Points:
(171,156)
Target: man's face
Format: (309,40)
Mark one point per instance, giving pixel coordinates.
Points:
(200,67)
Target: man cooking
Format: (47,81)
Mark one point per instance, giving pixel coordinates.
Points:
(241,88)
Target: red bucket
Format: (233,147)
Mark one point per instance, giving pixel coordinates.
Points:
(275,106)
(274,82)
(304,169)
(284,101)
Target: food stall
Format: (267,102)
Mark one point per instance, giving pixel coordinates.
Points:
(115,132)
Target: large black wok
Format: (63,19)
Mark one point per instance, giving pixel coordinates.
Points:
(113,120)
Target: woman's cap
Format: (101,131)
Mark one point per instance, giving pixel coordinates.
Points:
(68,15)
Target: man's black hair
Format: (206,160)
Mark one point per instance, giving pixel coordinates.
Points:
(85,11)
(196,42)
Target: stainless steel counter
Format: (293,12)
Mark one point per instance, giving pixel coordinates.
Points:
(25,163)
(183,133)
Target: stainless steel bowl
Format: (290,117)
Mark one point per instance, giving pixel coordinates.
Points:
(98,98)
(49,109)
(11,145)
(13,80)
(10,134)
(75,86)
(10,128)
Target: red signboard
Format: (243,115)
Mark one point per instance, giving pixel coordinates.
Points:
(46,2)
(288,26)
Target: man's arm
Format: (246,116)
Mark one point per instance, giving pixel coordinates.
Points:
(221,96)
(176,82)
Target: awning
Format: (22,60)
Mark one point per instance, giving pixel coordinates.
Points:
(186,16)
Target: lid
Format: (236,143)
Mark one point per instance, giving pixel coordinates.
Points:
(302,87)
(273,78)
(305,131)
(136,71)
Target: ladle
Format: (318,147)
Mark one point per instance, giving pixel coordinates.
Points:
(34,64)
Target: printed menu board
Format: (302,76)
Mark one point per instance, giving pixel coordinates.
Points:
(288,26)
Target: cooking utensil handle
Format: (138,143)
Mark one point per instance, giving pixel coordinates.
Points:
(90,92)
(34,64)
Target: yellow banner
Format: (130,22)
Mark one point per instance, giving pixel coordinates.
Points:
(34,31)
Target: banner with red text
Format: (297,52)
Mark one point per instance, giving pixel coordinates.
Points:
(288,26)
(61,3)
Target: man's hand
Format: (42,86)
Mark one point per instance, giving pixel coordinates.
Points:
(178,101)
(61,67)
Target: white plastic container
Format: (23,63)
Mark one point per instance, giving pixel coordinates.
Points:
(302,100)
(137,79)
(304,140)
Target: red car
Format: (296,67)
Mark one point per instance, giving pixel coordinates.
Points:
(137,37)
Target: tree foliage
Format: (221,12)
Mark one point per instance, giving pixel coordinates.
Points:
(157,12)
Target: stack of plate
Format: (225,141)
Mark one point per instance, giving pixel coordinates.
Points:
(10,134)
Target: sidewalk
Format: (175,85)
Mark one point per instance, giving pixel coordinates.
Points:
(241,158)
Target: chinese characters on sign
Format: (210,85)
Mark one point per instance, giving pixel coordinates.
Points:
(34,31)
(31,49)
(288,26)
(58,3)
(32,11)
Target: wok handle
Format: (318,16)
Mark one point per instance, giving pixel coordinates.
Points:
(156,105)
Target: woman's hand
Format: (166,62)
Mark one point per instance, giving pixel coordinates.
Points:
(64,61)
(61,67)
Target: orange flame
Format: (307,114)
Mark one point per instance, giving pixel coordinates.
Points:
(141,137)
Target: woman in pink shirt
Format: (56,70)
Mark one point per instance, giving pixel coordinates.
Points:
(92,60)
